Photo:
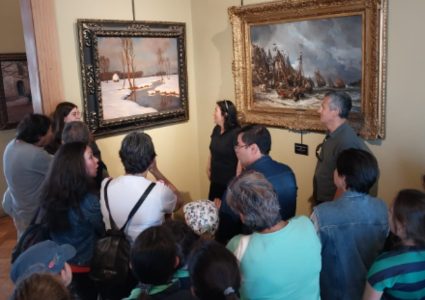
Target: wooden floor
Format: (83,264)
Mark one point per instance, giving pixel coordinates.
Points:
(7,242)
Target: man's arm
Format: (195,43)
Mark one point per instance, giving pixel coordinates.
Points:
(159,176)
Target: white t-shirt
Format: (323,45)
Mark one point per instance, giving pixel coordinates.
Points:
(123,194)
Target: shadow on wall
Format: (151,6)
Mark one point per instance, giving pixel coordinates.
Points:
(223,43)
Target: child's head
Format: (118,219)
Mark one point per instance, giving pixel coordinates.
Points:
(46,286)
(202,217)
(153,258)
(214,272)
(46,256)
(407,217)
(184,238)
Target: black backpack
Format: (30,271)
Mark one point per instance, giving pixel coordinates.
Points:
(33,234)
(110,263)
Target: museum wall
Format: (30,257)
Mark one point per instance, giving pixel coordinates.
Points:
(400,155)
(176,145)
(11,41)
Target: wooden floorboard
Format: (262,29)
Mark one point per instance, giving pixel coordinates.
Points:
(7,242)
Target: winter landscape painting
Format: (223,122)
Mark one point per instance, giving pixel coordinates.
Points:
(134,74)
(139,75)
(294,64)
(15,90)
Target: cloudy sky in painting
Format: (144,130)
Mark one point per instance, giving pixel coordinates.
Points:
(145,50)
(333,45)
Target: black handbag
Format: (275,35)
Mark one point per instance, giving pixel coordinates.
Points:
(110,263)
(33,234)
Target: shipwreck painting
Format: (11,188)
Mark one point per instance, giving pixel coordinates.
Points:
(134,74)
(295,64)
(15,90)
(288,54)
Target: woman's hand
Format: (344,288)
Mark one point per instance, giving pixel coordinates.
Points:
(209,167)
(217,202)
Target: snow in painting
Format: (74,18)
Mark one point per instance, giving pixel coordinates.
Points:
(138,76)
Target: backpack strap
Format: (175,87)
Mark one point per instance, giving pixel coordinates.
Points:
(138,204)
(105,193)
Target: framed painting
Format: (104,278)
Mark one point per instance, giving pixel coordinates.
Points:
(15,90)
(289,54)
(134,74)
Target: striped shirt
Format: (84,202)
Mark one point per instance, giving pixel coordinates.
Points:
(399,274)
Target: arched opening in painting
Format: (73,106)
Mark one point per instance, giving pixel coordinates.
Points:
(20,87)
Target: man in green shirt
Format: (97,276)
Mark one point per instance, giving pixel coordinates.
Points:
(334,112)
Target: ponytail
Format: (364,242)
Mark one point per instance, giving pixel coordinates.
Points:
(214,272)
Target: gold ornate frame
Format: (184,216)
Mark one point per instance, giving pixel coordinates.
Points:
(89,31)
(370,122)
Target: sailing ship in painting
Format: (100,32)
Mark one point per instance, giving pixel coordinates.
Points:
(275,76)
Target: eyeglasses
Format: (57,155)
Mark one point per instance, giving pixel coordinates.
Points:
(239,177)
(236,147)
(318,153)
(76,113)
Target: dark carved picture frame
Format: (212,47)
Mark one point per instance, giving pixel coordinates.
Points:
(89,32)
(5,123)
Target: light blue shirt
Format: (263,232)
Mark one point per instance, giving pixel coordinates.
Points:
(281,265)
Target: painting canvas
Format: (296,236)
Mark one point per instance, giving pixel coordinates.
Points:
(134,74)
(288,54)
(295,64)
(15,92)
(148,83)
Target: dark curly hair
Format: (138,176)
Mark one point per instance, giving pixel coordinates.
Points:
(32,127)
(137,152)
(184,238)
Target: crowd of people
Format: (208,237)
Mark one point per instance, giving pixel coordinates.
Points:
(245,242)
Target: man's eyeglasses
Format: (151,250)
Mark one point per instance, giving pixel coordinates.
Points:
(236,147)
(238,177)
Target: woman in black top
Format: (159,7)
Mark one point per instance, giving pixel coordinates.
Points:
(222,162)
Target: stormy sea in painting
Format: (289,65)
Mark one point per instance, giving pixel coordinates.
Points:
(295,64)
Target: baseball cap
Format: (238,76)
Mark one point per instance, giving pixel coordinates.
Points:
(46,256)
(201,216)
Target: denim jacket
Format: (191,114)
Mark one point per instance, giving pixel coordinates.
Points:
(352,230)
(283,181)
(86,228)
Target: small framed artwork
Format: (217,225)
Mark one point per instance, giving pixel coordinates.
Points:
(289,54)
(15,90)
(134,74)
